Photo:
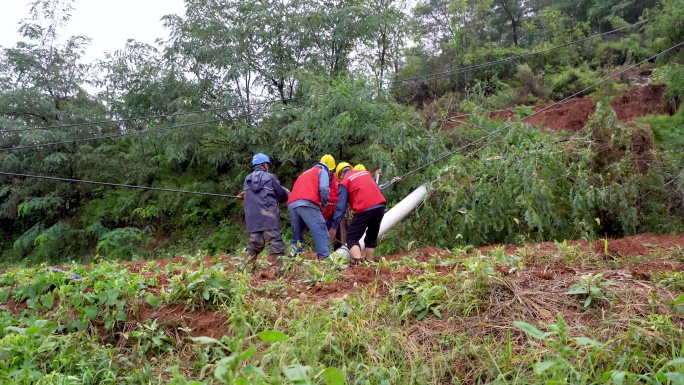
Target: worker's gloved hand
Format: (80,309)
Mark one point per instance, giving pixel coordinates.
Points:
(241,196)
(396,179)
(332,233)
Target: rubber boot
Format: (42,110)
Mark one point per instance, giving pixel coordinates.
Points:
(276,260)
(250,263)
(275,269)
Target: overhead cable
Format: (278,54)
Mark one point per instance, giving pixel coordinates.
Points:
(116,184)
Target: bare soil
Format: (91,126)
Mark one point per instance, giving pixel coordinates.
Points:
(357,277)
(543,282)
(574,114)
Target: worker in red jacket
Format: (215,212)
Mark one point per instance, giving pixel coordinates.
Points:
(307,201)
(367,204)
(329,209)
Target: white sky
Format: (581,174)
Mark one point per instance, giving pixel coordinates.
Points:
(108,23)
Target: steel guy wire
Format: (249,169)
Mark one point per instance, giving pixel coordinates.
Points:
(115,184)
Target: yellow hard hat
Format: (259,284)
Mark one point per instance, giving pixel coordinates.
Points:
(360,167)
(329,161)
(341,167)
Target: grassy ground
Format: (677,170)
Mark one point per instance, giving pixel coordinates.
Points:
(554,313)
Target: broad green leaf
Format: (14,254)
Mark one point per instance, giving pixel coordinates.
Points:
(46,346)
(586,341)
(21,331)
(153,300)
(679,300)
(674,378)
(4,294)
(676,361)
(81,326)
(272,336)
(248,353)
(251,369)
(31,303)
(422,314)
(91,312)
(618,377)
(205,340)
(298,374)
(112,295)
(531,330)
(333,376)
(121,316)
(40,322)
(541,367)
(33,330)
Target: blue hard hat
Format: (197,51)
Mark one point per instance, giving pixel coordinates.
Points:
(260,158)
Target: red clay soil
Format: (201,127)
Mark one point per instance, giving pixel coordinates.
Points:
(643,101)
(209,323)
(202,322)
(360,276)
(574,114)
(641,244)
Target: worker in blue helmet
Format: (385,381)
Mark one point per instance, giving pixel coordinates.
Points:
(262,193)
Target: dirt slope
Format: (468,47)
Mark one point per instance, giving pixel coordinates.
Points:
(574,114)
(356,277)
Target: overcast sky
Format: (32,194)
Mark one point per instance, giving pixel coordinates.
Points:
(108,23)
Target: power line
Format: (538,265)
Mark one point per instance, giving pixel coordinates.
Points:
(440,75)
(112,136)
(116,184)
(144,117)
(537,112)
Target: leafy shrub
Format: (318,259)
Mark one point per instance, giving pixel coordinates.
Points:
(628,50)
(571,81)
(530,185)
(225,238)
(123,242)
(24,244)
(42,208)
(53,242)
(668,131)
(531,83)
(674,78)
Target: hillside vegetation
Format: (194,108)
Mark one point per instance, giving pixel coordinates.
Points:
(552,128)
(370,82)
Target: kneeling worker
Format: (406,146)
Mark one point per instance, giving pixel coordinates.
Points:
(368,205)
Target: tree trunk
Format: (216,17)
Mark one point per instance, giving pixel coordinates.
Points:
(514,22)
